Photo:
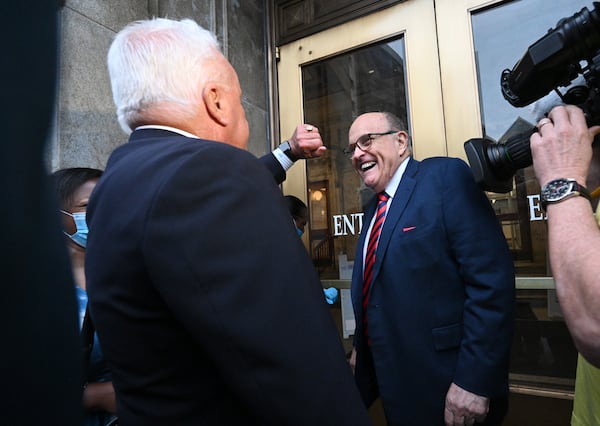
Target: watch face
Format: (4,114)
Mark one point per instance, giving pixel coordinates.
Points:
(556,189)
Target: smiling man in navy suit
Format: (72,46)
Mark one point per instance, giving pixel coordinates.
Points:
(432,286)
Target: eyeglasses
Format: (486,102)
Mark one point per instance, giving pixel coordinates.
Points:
(365,141)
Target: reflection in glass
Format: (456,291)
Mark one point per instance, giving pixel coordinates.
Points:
(337,90)
(501,36)
(543,354)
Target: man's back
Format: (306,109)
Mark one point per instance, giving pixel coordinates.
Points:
(189,252)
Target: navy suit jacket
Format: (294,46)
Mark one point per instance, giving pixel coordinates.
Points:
(207,306)
(441,306)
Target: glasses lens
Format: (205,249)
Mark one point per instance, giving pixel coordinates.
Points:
(364,141)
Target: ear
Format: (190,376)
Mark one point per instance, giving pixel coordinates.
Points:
(215,101)
(402,141)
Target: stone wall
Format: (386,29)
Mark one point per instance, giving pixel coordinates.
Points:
(86,129)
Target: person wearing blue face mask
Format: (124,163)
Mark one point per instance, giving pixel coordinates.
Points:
(80,235)
(299,213)
(73,187)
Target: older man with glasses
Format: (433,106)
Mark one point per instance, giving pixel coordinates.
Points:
(432,286)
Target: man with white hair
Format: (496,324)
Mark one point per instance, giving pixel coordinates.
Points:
(190,242)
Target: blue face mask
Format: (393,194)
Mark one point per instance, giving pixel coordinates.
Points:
(80,236)
(299,231)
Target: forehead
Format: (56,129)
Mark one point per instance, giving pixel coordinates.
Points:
(368,123)
(85,190)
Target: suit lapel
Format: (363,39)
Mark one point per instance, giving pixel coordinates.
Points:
(357,271)
(395,211)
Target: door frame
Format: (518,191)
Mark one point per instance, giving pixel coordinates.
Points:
(415,20)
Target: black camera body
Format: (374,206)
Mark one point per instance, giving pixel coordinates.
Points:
(568,51)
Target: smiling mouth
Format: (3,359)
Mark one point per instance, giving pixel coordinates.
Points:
(367,166)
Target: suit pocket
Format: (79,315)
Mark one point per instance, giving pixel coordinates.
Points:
(417,231)
(447,337)
(420,244)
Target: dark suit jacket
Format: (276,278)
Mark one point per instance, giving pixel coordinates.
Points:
(274,166)
(208,308)
(442,301)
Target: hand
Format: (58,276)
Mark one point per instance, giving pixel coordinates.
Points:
(464,407)
(352,359)
(306,142)
(100,396)
(562,146)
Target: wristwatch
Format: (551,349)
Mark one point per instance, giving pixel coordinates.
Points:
(560,189)
(286,148)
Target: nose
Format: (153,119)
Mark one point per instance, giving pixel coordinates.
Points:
(357,154)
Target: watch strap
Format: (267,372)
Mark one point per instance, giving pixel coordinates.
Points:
(286,148)
(576,189)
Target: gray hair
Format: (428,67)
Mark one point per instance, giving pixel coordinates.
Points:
(396,123)
(157,61)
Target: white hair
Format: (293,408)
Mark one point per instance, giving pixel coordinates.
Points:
(157,61)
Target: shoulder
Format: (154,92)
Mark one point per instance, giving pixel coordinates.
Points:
(228,160)
(448,163)
(179,151)
(448,167)
(215,164)
(157,167)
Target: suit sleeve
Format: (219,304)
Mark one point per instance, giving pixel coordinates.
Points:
(274,167)
(239,280)
(487,270)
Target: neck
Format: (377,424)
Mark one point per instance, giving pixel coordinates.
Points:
(195,121)
(173,115)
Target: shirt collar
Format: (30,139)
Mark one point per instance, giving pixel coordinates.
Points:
(392,186)
(168,128)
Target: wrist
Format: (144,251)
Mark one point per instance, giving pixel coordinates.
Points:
(286,148)
(561,174)
(558,190)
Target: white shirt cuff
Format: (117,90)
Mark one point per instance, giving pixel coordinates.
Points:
(283,159)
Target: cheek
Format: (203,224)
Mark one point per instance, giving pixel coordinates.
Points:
(243,132)
(243,120)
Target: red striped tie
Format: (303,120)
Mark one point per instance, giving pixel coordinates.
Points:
(371,249)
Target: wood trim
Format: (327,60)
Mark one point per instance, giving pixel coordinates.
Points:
(295,19)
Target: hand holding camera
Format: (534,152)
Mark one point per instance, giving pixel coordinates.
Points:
(562,146)
(567,53)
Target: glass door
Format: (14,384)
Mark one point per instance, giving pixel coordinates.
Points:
(438,63)
(494,36)
(386,61)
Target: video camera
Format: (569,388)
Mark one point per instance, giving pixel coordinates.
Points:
(566,52)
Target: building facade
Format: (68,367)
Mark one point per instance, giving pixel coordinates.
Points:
(437,63)
(86,130)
